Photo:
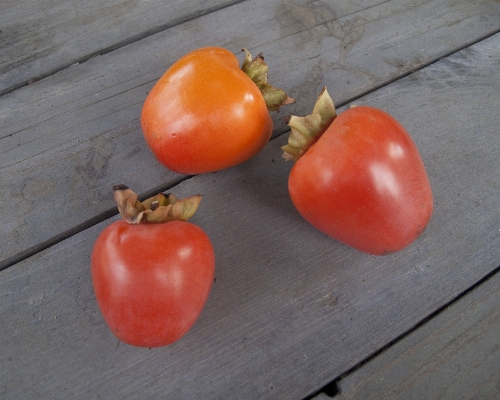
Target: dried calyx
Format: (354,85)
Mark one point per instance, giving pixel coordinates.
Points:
(157,209)
(307,130)
(256,69)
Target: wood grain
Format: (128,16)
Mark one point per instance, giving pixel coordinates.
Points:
(40,38)
(67,139)
(454,356)
(290,308)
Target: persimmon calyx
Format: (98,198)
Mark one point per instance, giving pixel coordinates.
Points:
(307,130)
(157,209)
(256,69)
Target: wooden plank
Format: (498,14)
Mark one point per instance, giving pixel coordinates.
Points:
(454,356)
(290,308)
(39,38)
(68,138)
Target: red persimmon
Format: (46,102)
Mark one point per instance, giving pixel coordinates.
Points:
(362,181)
(151,280)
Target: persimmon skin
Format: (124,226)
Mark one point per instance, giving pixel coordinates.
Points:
(205,114)
(151,281)
(364,183)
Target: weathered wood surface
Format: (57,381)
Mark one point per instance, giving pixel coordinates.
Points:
(456,355)
(290,309)
(38,38)
(67,139)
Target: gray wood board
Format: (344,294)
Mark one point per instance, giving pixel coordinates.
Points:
(291,309)
(67,139)
(454,356)
(39,38)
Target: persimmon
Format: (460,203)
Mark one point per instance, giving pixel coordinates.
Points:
(152,270)
(358,177)
(206,113)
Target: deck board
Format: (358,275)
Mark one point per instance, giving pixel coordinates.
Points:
(290,309)
(454,356)
(42,37)
(68,138)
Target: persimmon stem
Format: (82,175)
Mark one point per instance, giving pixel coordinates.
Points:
(157,209)
(307,130)
(256,69)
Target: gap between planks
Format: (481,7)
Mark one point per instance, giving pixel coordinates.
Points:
(332,389)
(118,45)
(23,255)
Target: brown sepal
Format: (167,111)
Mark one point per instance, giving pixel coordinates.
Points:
(157,209)
(256,69)
(307,130)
